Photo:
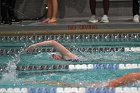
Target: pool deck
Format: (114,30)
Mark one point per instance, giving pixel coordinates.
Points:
(117,24)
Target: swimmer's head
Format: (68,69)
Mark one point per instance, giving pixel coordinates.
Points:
(56,56)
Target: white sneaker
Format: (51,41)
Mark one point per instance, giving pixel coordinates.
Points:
(104,19)
(93,19)
(136,18)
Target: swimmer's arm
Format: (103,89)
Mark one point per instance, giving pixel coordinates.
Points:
(82,84)
(31,47)
(124,80)
(45,82)
(52,83)
(55,44)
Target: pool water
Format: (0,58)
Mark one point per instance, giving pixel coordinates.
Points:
(96,51)
(65,75)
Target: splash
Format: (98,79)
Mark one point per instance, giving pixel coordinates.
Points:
(10,71)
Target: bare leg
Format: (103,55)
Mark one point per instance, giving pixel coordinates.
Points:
(54,11)
(128,78)
(50,9)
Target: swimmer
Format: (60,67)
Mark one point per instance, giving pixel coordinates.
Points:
(65,54)
(120,81)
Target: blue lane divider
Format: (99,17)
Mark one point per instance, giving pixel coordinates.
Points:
(42,90)
(72,90)
(106,66)
(100,90)
(75,67)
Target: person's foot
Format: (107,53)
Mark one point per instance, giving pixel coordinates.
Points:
(105,19)
(136,18)
(46,20)
(53,20)
(93,19)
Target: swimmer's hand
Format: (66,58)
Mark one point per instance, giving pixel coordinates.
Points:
(30,48)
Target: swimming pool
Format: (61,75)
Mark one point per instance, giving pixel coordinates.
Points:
(109,56)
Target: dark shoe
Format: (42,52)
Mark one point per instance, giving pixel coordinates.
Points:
(16,20)
(6,21)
